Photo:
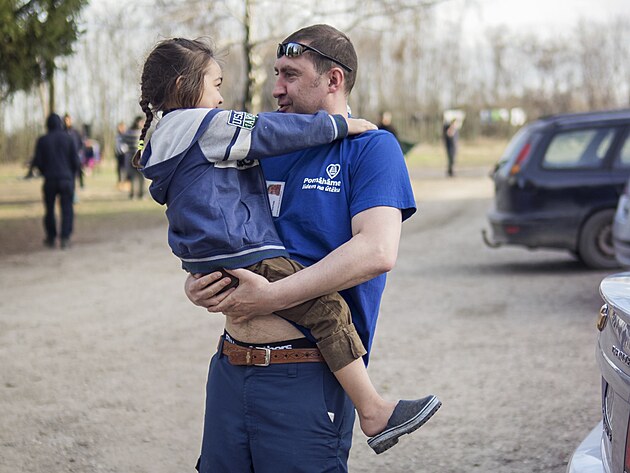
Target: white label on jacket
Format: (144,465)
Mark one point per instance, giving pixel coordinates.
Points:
(275,189)
(242,120)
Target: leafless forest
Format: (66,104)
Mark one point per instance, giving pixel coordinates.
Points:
(413,62)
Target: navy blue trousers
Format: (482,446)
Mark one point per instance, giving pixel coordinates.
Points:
(64,188)
(292,417)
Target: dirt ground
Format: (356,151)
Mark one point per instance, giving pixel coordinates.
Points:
(103,360)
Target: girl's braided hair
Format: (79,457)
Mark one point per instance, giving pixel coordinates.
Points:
(172,78)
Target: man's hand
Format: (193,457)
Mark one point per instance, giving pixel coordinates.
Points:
(202,290)
(252,297)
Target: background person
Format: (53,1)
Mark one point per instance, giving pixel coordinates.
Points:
(386,123)
(120,148)
(450,136)
(77,140)
(58,162)
(91,151)
(131,139)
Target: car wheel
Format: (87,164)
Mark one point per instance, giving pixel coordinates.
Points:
(595,245)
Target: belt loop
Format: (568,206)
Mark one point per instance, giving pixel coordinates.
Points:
(220,346)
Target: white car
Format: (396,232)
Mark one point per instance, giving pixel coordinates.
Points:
(607,448)
(621,228)
(587,458)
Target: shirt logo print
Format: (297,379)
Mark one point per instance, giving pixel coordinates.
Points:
(332,170)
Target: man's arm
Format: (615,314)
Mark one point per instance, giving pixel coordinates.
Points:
(371,251)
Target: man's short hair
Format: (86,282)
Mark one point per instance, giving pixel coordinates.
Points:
(330,41)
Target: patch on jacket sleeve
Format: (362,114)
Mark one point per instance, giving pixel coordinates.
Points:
(242,120)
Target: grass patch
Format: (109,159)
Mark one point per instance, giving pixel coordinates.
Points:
(478,153)
(103,210)
(20,198)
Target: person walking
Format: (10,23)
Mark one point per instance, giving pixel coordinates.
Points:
(130,139)
(450,135)
(120,150)
(57,160)
(77,141)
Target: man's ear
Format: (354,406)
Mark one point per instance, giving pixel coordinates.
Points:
(336,79)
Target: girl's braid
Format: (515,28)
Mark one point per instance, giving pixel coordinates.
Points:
(144,104)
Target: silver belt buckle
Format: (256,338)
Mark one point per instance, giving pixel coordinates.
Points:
(267,357)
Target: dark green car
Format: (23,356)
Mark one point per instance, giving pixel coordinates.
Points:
(558,183)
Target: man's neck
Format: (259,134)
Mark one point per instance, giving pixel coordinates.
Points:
(337,105)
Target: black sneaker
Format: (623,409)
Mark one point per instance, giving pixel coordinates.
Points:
(49,242)
(407,417)
(65,243)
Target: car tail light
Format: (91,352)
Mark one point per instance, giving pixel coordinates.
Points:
(626,464)
(520,159)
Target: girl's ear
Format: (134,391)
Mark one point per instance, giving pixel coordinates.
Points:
(173,100)
(336,79)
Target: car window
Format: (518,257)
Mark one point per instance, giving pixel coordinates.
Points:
(578,149)
(511,151)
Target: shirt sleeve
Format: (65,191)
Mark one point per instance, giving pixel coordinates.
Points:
(380,177)
(233,135)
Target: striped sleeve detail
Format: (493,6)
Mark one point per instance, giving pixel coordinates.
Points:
(175,132)
(242,145)
(234,255)
(219,138)
(340,125)
(334,124)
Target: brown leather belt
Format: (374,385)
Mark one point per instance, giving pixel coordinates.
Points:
(238,355)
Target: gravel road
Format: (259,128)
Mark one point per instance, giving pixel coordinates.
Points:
(104,360)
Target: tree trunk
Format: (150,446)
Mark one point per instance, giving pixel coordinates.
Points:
(43,100)
(51,93)
(247,46)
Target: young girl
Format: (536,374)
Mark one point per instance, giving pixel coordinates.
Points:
(202,164)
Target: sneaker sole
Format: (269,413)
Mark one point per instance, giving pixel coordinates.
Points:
(388,438)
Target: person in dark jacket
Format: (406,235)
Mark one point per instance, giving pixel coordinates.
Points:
(77,140)
(450,135)
(130,139)
(58,162)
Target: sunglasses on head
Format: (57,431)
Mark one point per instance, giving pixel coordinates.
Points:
(297,49)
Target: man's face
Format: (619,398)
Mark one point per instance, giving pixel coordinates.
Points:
(299,88)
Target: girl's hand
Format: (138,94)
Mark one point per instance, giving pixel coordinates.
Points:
(359,125)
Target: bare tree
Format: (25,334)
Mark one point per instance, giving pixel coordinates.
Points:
(412,62)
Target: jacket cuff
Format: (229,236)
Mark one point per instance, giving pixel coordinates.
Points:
(341,126)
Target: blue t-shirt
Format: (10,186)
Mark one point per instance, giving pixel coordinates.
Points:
(315,193)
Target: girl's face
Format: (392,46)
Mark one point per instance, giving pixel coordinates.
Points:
(211,97)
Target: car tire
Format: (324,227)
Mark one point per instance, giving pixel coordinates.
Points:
(595,242)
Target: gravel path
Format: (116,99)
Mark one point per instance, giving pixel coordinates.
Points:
(104,360)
